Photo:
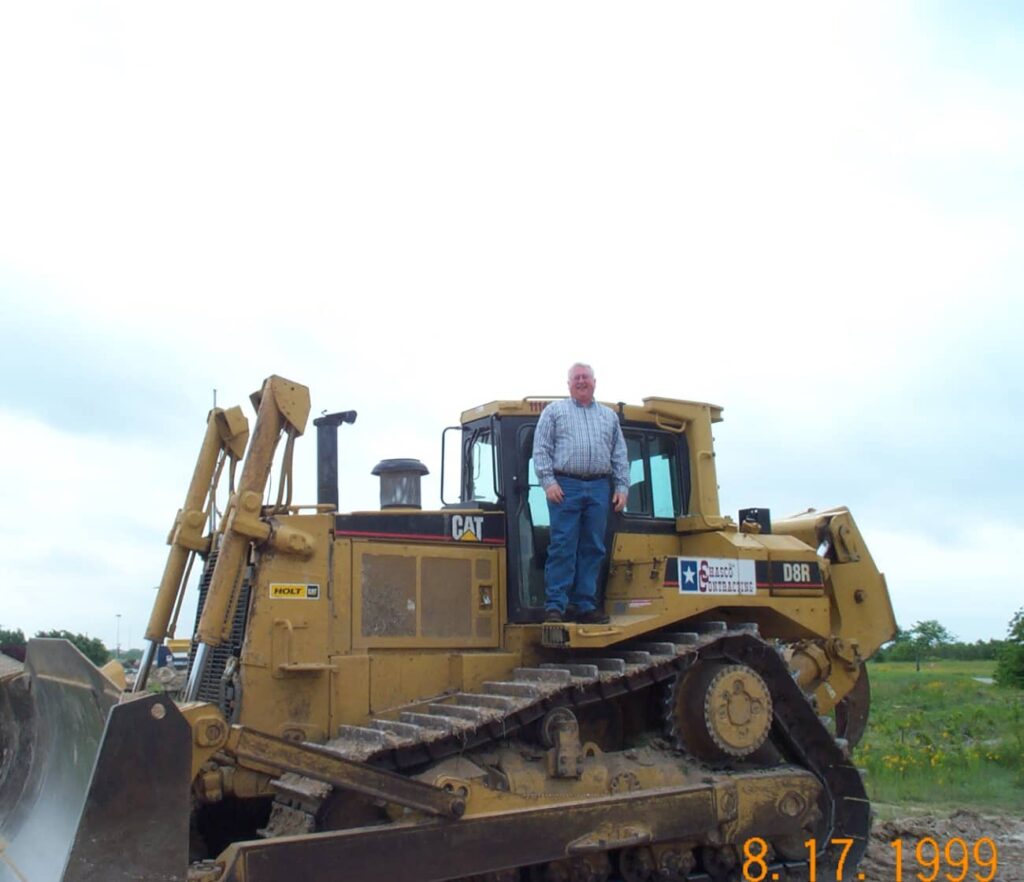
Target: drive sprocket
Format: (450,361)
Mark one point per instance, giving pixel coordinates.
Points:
(718,711)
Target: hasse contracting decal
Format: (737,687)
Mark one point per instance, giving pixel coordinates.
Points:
(716,575)
(294,591)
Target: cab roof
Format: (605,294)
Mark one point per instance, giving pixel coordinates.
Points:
(670,413)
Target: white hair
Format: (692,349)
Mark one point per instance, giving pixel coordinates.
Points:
(581,364)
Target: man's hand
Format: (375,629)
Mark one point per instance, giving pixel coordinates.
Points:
(618,501)
(554,493)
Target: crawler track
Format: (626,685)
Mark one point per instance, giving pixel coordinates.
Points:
(463,722)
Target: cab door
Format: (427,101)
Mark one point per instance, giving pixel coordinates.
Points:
(658,493)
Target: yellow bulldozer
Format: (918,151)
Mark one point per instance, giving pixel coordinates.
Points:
(376,695)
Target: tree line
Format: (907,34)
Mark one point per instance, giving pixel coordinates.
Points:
(12,643)
(930,639)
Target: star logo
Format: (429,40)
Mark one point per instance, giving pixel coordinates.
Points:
(687,575)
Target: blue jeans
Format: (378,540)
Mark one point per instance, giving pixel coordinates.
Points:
(576,550)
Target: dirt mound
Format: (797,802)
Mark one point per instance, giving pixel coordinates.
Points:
(879,865)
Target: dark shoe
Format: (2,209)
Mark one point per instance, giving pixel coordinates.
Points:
(571,612)
(592,617)
(553,616)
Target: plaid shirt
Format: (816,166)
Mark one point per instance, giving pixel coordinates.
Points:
(580,440)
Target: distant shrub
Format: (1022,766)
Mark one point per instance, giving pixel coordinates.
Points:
(1010,661)
(12,643)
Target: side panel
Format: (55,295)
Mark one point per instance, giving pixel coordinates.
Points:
(350,690)
(645,580)
(285,660)
(429,596)
(341,595)
(399,678)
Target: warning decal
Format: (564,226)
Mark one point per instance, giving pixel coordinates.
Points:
(294,591)
(716,575)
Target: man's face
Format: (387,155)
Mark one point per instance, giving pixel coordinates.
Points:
(581,385)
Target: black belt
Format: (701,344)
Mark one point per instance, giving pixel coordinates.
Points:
(603,477)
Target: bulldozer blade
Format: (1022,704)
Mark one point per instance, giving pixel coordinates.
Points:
(135,822)
(70,763)
(53,717)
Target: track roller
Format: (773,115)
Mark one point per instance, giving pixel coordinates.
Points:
(589,868)
(719,861)
(668,862)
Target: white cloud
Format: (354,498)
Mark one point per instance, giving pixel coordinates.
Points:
(82,529)
(969,580)
(789,211)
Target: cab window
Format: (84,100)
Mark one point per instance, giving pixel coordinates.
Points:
(653,474)
(481,480)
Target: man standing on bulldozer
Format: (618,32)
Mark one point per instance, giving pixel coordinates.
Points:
(580,458)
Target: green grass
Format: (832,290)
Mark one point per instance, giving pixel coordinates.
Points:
(939,738)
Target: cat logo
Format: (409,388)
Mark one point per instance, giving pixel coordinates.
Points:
(467,528)
(294,591)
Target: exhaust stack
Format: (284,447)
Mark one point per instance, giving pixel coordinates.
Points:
(327,455)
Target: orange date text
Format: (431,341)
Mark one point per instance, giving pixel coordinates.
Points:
(927,860)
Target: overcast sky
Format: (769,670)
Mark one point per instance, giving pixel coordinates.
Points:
(810,214)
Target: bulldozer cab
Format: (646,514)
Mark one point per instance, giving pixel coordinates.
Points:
(498,474)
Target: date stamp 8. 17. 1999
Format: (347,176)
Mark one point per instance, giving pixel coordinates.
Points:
(956,859)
